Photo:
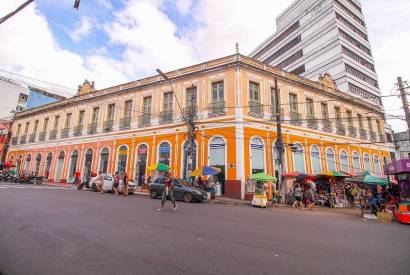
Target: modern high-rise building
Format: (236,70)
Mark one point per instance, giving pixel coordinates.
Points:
(315,37)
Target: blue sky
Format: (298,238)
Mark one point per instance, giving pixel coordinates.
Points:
(112,42)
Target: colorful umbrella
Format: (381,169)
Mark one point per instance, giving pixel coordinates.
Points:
(8,164)
(368,179)
(332,173)
(291,174)
(206,171)
(158,167)
(262,177)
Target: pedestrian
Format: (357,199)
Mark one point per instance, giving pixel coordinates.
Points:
(125,182)
(116,183)
(100,182)
(168,192)
(76,178)
(311,198)
(298,196)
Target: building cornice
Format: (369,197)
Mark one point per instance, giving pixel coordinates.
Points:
(199,69)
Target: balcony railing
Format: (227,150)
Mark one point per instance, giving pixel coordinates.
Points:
(65,132)
(382,137)
(166,117)
(363,133)
(92,128)
(327,125)
(42,136)
(144,120)
(108,125)
(255,108)
(340,128)
(14,140)
(312,122)
(23,139)
(32,138)
(352,132)
(295,118)
(273,112)
(217,108)
(125,123)
(78,130)
(52,135)
(373,136)
(188,110)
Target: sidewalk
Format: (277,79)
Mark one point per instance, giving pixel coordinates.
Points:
(57,184)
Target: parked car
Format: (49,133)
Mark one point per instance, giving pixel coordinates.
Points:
(109,182)
(181,191)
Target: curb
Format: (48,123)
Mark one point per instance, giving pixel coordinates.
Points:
(59,185)
(229,202)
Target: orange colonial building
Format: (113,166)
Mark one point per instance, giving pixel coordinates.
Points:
(133,125)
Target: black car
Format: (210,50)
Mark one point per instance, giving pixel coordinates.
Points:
(181,191)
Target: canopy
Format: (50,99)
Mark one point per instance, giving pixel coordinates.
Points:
(262,177)
(158,167)
(368,179)
(206,171)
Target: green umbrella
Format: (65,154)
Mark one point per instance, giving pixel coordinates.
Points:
(158,167)
(368,179)
(262,177)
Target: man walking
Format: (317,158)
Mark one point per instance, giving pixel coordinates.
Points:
(168,192)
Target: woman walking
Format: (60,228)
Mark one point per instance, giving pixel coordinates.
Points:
(116,183)
(125,182)
(100,182)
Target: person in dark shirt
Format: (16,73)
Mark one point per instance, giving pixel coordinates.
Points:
(168,192)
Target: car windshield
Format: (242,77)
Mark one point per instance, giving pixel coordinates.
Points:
(107,178)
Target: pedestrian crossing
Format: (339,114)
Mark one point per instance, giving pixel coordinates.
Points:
(35,187)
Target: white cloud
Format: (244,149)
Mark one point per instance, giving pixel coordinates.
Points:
(83,28)
(149,37)
(35,52)
(106,4)
(184,6)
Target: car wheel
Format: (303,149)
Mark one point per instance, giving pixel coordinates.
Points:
(94,187)
(187,197)
(153,194)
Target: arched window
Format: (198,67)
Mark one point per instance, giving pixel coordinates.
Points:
(37,164)
(376,162)
(19,163)
(217,158)
(164,153)
(27,164)
(257,156)
(73,165)
(185,165)
(122,158)
(104,156)
(385,162)
(344,162)
(88,160)
(11,159)
(60,166)
(299,159)
(141,163)
(276,158)
(367,163)
(356,163)
(49,159)
(316,162)
(330,160)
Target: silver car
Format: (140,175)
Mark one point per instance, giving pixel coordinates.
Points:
(109,182)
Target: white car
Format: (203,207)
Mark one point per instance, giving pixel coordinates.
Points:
(109,182)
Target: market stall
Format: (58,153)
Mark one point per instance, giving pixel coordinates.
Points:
(263,189)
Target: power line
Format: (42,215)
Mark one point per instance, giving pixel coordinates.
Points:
(11,14)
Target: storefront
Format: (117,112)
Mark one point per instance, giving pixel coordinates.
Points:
(141,164)
(400,170)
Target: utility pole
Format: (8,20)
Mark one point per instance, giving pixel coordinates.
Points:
(188,118)
(279,142)
(405,104)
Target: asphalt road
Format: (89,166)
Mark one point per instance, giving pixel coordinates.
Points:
(59,231)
